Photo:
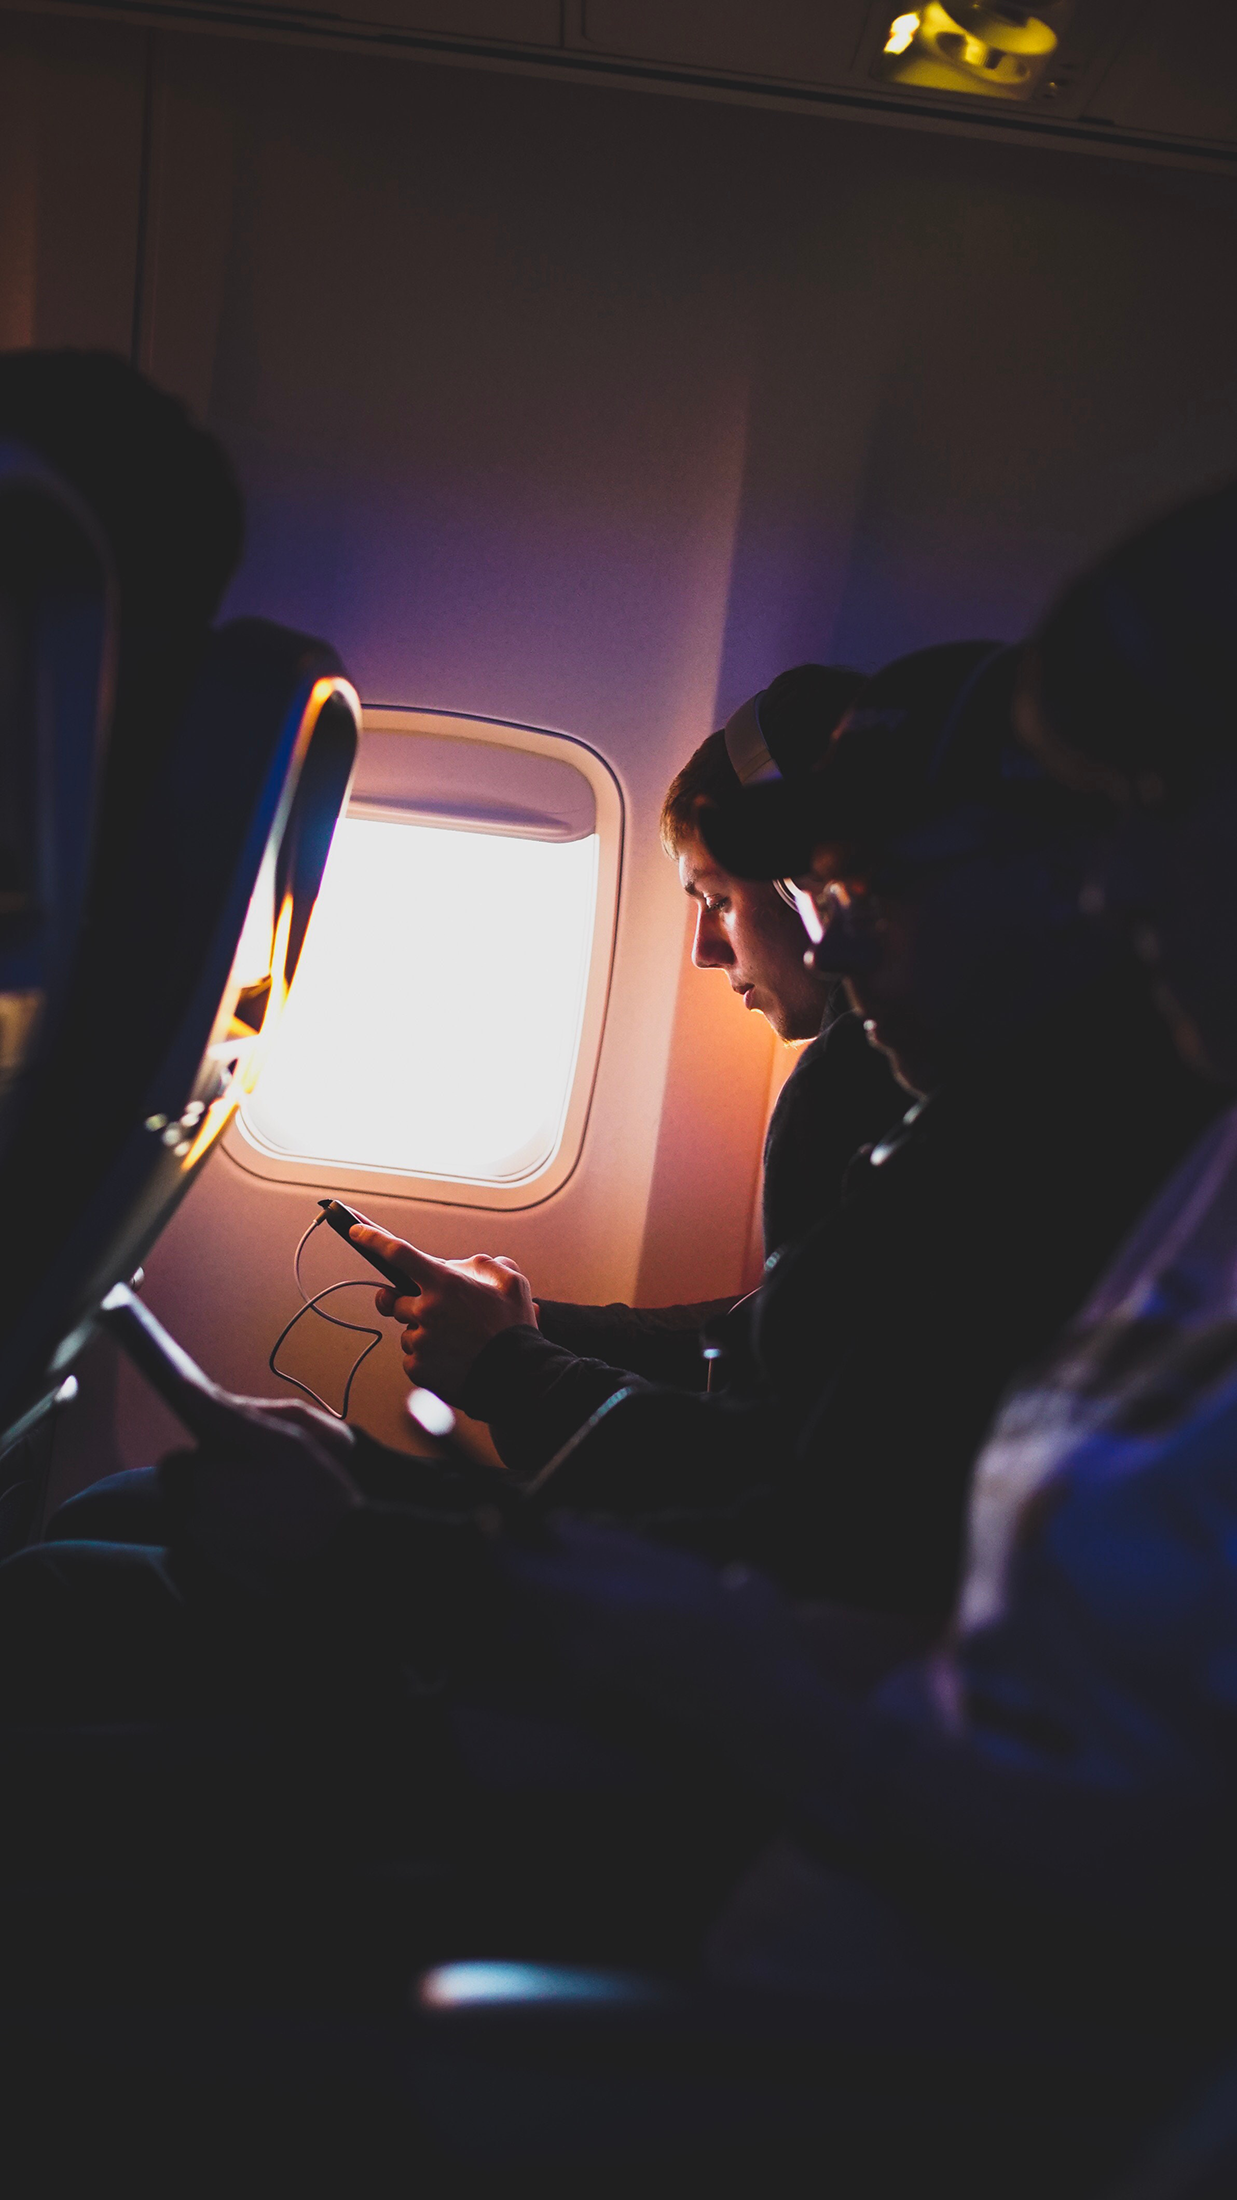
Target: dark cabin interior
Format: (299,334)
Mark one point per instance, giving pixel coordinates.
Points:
(582,363)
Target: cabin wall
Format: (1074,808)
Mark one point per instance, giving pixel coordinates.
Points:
(71,106)
(593,409)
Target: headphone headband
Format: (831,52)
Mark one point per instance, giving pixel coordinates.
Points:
(746,746)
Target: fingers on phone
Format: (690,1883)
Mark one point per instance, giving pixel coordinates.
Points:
(415,1265)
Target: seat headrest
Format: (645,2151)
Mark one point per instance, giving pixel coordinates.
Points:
(58,635)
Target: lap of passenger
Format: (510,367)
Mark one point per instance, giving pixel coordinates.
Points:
(123,1508)
(92,1630)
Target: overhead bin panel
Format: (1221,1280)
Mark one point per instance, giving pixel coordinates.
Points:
(1128,77)
(1179,74)
(523,22)
(497,22)
(864,51)
(797,40)
(1134,79)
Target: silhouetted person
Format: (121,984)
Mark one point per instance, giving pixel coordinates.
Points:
(1041,1816)
(1049,1106)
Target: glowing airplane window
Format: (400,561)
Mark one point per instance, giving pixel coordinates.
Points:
(435,1019)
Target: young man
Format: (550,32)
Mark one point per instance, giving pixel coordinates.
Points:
(1050,1105)
(840,1095)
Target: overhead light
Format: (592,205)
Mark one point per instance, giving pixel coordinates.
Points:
(901,33)
(987,51)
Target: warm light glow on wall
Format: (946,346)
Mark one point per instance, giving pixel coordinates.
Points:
(434,1022)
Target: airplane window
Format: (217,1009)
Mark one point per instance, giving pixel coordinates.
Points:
(434,1030)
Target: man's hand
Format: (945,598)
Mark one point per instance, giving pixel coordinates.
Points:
(267,1489)
(454,1308)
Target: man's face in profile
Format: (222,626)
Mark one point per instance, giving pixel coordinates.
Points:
(744,928)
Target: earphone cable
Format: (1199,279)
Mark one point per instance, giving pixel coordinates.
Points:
(314,1306)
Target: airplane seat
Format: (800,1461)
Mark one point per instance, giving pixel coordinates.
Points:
(562,2080)
(191,934)
(58,647)
(554,2070)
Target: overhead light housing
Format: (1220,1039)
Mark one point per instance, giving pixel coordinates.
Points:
(982,51)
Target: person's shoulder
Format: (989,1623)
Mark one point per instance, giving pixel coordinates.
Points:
(842,1041)
(843,1061)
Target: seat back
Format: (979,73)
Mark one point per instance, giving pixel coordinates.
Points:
(1194,2154)
(196,919)
(57,657)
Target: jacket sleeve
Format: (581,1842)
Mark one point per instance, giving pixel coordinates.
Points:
(655,1449)
(660,1343)
(535,1395)
(695,1470)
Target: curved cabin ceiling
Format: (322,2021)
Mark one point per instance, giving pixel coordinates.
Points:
(1141,79)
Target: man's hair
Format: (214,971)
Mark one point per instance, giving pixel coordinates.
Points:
(707,777)
(798,712)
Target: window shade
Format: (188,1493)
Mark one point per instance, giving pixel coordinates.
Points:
(475,786)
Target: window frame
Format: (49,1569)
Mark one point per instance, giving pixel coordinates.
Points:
(243,1146)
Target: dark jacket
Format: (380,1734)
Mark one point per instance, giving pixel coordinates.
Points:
(959,1247)
(840,1096)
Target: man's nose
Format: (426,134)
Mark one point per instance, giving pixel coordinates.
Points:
(710,946)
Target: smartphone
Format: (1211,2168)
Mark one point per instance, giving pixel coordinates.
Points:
(168,1369)
(341,1220)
